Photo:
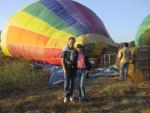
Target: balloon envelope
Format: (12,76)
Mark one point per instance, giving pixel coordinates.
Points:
(143,35)
(39,31)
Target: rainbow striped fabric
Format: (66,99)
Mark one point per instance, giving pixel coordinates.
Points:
(39,31)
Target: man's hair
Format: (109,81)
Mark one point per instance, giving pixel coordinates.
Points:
(72,38)
(126,44)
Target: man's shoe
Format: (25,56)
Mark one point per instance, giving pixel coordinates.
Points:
(71,99)
(65,100)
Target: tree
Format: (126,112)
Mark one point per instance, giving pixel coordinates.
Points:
(0,39)
(132,44)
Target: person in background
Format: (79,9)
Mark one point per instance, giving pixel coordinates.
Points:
(83,66)
(69,63)
(124,57)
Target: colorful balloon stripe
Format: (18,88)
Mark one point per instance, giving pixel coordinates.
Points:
(41,12)
(58,10)
(94,20)
(29,22)
(26,48)
(77,15)
(18,42)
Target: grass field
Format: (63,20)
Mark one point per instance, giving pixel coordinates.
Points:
(24,90)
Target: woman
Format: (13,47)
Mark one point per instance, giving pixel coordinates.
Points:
(83,66)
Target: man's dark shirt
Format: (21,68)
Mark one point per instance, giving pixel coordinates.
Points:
(70,56)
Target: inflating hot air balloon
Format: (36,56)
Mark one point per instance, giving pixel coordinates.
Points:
(143,34)
(39,31)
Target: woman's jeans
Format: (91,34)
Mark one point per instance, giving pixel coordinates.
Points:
(69,83)
(123,71)
(81,78)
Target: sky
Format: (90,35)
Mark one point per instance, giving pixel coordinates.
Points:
(120,17)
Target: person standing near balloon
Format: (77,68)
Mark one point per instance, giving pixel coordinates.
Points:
(69,63)
(83,66)
(124,57)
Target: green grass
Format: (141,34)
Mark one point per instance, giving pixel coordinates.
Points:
(24,90)
(17,74)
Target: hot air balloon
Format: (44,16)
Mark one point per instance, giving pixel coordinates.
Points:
(143,34)
(41,30)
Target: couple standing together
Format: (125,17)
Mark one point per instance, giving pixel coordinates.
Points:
(75,63)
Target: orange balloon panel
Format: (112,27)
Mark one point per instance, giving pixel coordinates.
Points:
(24,46)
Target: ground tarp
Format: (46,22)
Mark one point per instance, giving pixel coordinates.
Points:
(57,74)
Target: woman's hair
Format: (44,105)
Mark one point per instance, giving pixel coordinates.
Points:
(79,46)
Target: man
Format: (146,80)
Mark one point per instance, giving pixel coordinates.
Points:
(124,57)
(69,64)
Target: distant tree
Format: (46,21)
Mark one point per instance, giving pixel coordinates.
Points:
(132,44)
(121,44)
(0,39)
